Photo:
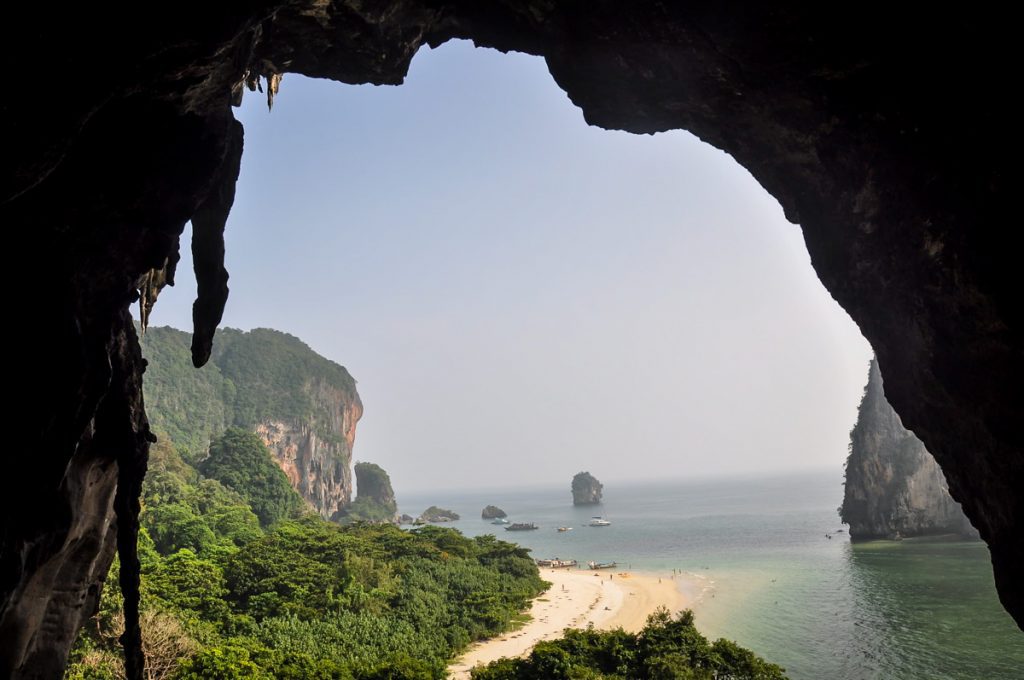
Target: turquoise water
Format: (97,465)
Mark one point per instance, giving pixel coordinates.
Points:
(764,574)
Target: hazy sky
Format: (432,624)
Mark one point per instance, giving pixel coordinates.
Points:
(521,296)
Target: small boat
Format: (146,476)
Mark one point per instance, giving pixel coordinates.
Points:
(599,522)
(602,565)
(500,520)
(521,526)
(557,563)
(565,528)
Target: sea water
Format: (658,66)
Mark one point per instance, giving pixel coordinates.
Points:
(760,570)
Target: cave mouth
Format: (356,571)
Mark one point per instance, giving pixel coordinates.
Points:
(904,221)
(581,263)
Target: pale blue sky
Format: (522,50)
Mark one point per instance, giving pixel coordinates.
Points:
(521,296)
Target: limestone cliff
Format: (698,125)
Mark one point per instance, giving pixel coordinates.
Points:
(303,406)
(317,468)
(586,490)
(894,488)
(375,501)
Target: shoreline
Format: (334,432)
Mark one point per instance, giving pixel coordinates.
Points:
(577,598)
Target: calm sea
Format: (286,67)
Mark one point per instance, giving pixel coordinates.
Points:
(767,576)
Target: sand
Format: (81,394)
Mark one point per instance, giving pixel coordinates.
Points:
(575,599)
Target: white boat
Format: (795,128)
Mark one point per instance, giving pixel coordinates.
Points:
(599,522)
(557,563)
(565,528)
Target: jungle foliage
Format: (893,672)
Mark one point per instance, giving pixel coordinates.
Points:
(226,595)
(668,648)
(251,376)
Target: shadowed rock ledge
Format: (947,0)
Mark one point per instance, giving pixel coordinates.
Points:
(882,131)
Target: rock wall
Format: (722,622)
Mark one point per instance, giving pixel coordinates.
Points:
(318,465)
(894,488)
(317,469)
(882,130)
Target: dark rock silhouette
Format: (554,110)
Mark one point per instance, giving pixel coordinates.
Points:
(493,512)
(586,490)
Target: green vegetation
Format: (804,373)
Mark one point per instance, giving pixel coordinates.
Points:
(250,377)
(192,406)
(668,648)
(271,371)
(299,597)
(240,461)
(365,509)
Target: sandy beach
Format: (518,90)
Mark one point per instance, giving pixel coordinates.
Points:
(576,599)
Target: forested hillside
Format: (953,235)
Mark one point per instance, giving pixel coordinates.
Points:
(303,406)
(225,598)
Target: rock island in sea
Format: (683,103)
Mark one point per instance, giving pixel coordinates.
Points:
(894,488)
(435,514)
(493,512)
(586,490)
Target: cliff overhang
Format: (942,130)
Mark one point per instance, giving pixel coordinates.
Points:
(884,133)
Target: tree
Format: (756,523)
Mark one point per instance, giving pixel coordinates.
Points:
(227,662)
(241,462)
(176,526)
(189,584)
(164,642)
(668,648)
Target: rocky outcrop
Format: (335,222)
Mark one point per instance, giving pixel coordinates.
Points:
(436,515)
(493,512)
(586,490)
(847,123)
(894,488)
(375,499)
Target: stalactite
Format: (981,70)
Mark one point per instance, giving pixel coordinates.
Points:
(151,283)
(131,472)
(273,85)
(208,250)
